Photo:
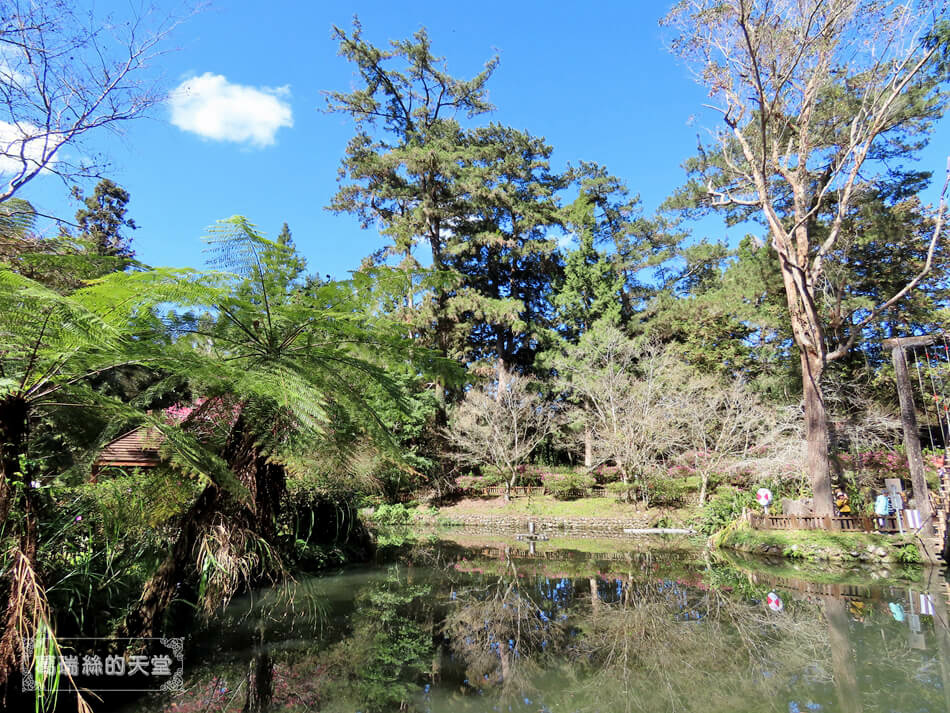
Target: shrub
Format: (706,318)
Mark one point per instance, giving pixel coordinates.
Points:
(607,474)
(571,485)
(494,477)
(622,491)
(909,554)
(477,483)
(392,515)
(668,492)
(722,509)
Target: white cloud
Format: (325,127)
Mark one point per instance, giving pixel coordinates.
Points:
(24,138)
(214,108)
(566,241)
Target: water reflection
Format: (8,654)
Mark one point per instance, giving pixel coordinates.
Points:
(497,628)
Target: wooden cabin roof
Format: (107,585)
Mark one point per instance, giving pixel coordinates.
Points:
(136,449)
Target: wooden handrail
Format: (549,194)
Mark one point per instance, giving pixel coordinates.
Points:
(845,523)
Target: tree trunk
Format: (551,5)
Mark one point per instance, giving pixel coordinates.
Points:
(816,433)
(588,446)
(14,427)
(702,490)
(809,337)
(594,594)
(260,684)
(13,434)
(266,483)
(504,376)
(144,620)
(842,663)
(915,459)
(625,479)
(18,607)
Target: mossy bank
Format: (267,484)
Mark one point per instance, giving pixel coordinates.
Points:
(819,545)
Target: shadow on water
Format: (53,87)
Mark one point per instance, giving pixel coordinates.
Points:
(491,625)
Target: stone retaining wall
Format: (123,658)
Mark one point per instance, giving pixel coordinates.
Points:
(552,526)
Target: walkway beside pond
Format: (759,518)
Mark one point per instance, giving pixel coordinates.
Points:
(934,544)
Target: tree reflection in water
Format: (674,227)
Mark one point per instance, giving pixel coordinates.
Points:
(452,629)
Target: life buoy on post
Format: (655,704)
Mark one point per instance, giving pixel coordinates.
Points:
(764,497)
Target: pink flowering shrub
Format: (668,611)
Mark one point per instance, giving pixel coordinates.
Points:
(878,464)
(205,416)
(680,470)
(607,474)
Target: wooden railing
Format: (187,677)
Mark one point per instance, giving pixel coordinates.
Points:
(826,589)
(850,523)
(517,491)
(528,490)
(941,504)
(560,555)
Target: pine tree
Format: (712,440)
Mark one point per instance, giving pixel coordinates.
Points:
(403,167)
(103,219)
(505,251)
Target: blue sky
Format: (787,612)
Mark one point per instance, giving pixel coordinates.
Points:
(594,79)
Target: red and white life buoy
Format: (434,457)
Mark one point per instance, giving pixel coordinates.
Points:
(774,601)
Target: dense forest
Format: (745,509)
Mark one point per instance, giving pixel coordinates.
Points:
(516,319)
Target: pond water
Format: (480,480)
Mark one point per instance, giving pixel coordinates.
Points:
(483,625)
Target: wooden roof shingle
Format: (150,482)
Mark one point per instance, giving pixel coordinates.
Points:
(138,448)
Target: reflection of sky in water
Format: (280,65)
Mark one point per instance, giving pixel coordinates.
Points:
(494,630)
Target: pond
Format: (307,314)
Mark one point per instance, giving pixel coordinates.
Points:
(487,625)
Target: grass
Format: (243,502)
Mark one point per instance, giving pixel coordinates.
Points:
(899,574)
(817,545)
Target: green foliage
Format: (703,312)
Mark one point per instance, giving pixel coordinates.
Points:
(668,492)
(622,491)
(474,483)
(818,545)
(722,509)
(909,554)
(99,543)
(103,218)
(388,650)
(392,515)
(62,262)
(568,486)
(589,290)
(405,164)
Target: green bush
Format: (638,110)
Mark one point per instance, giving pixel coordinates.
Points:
(392,515)
(492,476)
(567,486)
(909,554)
(694,483)
(607,474)
(622,491)
(722,509)
(668,492)
(476,483)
